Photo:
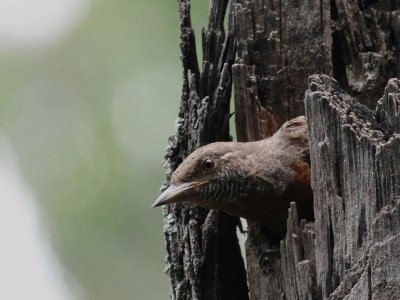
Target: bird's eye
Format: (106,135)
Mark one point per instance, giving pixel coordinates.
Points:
(208,164)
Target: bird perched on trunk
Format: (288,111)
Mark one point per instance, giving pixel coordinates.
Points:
(254,180)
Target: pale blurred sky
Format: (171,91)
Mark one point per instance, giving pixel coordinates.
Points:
(27,24)
(29,268)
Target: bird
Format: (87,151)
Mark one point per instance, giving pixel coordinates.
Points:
(254,180)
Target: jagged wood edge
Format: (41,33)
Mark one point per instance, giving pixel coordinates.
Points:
(355,157)
(204,260)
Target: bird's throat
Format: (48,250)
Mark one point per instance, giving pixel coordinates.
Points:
(271,210)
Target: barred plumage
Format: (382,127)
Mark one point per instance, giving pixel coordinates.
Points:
(255,180)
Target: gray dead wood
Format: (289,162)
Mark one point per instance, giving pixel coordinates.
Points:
(279,45)
(267,52)
(203,254)
(355,158)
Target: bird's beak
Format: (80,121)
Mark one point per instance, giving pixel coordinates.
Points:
(178,193)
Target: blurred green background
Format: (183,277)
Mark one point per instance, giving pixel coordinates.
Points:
(89,92)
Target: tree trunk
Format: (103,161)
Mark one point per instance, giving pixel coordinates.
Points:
(268,52)
(355,158)
(204,259)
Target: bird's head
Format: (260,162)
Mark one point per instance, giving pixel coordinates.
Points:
(211,176)
(254,180)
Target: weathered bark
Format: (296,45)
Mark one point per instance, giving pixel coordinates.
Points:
(355,158)
(268,52)
(280,44)
(204,259)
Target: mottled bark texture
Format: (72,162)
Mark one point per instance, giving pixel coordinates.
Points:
(355,159)
(204,259)
(279,45)
(267,52)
